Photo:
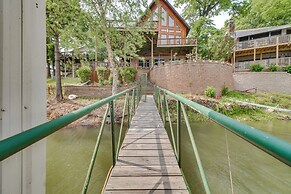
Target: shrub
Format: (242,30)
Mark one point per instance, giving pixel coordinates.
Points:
(84,74)
(224,90)
(256,68)
(210,92)
(127,74)
(287,69)
(102,73)
(273,68)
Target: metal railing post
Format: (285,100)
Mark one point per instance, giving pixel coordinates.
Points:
(179,132)
(112,132)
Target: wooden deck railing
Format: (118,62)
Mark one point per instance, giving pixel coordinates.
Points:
(265,62)
(263,42)
(176,42)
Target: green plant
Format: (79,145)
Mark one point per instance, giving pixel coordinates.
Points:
(256,68)
(127,74)
(273,68)
(102,73)
(287,68)
(84,74)
(224,90)
(210,92)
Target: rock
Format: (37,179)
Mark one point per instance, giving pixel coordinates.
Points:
(270,110)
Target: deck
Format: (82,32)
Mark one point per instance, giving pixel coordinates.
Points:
(146,163)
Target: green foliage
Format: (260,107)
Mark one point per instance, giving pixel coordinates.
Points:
(84,74)
(256,68)
(210,92)
(224,90)
(102,73)
(287,69)
(273,68)
(127,74)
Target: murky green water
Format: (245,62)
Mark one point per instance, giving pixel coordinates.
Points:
(69,152)
(252,170)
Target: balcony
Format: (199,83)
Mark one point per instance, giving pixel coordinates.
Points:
(240,66)
(176,42)
(263,42)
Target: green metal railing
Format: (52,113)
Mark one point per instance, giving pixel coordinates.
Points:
(276,147)
(22,140)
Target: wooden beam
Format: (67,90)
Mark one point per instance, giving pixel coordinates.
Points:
(277,52)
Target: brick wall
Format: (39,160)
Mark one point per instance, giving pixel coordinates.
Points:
(278,82)
(91,91)
(193,77)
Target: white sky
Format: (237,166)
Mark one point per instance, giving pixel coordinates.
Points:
(217,20)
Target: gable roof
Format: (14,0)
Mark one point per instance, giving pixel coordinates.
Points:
(174,11)
(248,32)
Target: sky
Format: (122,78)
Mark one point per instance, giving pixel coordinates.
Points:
(217,20)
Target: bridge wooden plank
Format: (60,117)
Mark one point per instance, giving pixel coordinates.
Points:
(150,183)
(146,162)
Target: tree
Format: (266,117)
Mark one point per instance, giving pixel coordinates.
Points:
(199,14)
(62,15)
(264,13)
(114,23)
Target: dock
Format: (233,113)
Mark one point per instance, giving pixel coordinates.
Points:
(146,162)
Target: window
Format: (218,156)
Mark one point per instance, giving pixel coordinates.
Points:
(164,30)
(178,31)
(171,39)
(163,39)
(164,17)
(155,15)
(177,25)
(171,21)
(178,39)
(172,31)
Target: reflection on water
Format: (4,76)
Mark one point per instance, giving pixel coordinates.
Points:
(253,171)
(69,152)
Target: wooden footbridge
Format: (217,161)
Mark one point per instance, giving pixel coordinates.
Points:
(147,160)
(146,163)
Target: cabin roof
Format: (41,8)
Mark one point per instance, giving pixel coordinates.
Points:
(174,11)
(248,32)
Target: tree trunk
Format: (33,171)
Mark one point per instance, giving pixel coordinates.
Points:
(112,64)
(48,75)
(59,93)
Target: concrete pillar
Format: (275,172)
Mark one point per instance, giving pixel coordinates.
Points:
(22,92)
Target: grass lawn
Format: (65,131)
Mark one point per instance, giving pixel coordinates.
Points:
(65,81)
(269,99)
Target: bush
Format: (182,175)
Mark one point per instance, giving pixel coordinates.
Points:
(127,74)
(210,92)
(102,73)
(273,68)
(224,90)
(287,69)
(84,74)
(256,68)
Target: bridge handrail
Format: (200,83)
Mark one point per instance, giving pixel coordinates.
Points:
(272,145)
(18,142)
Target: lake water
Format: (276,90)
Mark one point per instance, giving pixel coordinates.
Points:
(69,152)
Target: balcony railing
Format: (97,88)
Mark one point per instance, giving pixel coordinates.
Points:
(265,62)
(166,42)
(263,42)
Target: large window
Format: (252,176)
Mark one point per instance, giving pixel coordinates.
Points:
(155,15)
(164,17)
(163,39)
(178,39)
(172,39)
(171,21)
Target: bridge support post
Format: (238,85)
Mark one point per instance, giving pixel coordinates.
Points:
(22,92)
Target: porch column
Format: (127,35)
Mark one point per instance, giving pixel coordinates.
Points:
(261,57)
(255,54)
(277,52)
(234,61)
(152,52)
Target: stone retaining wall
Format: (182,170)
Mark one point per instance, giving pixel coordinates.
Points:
(193,77)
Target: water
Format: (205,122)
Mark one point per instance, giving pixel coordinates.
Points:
(69,152)
(253,171)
